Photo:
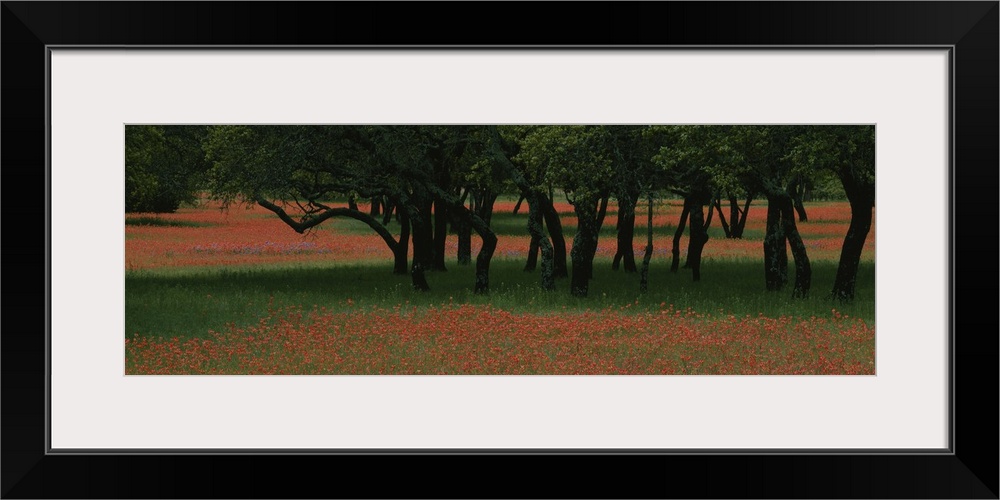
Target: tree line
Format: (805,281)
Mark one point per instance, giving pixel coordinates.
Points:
(432,177)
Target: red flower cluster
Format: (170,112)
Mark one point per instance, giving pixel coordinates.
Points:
(209,236)
(478,339)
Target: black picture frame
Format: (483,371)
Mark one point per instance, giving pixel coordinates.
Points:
(970,470)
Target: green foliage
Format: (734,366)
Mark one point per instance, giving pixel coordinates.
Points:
(847,150)
(574,157)
(164,167)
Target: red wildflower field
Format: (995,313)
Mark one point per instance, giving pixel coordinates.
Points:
(469,339)
(210,236)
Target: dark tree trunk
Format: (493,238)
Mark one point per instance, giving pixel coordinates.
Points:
(440,236)
(699,236)
(798,190)
(738,228)
(376,201)
(734,218)
(722,218)
(517,206)
(775,251)
(584,246)
(464,231)
(602,211)
(352,203)
(644,276)
(402,248)
(675,250)
(862,199)
(485,233)
(696,244)
(484,208)
(483,259)
(418,278)
(423,237)
(421,245)
(390,207)
(803,271)
(533,247)
(539,240)
(559,267)
(626,234)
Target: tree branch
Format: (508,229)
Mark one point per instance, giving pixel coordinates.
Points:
(301,226)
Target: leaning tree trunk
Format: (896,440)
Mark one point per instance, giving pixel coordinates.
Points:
(775,252)
(583,242)
(485,207)
(696,244)
(803,271)
(675,250)
(862,199)
(644,276)
(517,206)
(734,218)
(540,240)
(798,190)
(722,217)
(485,233)
(738,228)
(699,236)
(559,267)
(390,207)
(534,217)
(483,257)
(602,211)
(400,251)
(626,233)
(440,236)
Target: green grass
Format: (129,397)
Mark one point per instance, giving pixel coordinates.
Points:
(188,302)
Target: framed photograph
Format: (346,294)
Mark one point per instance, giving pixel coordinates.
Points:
(817,396)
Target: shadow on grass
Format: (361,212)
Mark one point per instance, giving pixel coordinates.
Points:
(190,302)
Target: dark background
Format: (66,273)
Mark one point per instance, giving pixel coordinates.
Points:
(971,472)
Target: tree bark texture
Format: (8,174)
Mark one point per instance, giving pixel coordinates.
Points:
(738,229)
(540,241)
(552,223)
(862,199)
(644,275)
(440,236)
(798,190)
(584,247)
(423,237)
(775,251)
(675,251)
(464,231)
(532,262)
(402,248)
(722,218)
(626,234)
(698,238)
(803,271)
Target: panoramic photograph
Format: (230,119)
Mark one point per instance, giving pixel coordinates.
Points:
(499,249)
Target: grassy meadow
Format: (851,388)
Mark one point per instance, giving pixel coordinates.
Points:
(212,291)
